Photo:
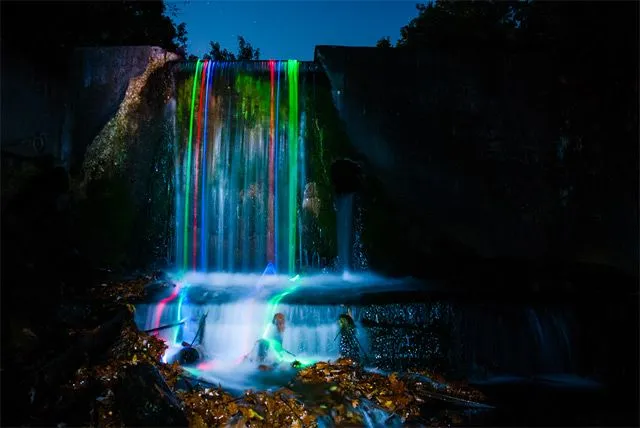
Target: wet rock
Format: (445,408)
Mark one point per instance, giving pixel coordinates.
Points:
(72,313)
(349,347)
(90,345)
(311,201)
(144,399)
(187,355)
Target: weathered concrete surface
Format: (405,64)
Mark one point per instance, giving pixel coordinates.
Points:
(100,79)
(465,152)
(124,139)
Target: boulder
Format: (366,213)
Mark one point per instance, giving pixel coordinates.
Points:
(144,399)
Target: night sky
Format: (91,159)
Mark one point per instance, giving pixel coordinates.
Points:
(291,29)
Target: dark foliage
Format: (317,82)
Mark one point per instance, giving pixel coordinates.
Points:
(591,46)
(246,52)
(384,42)
(41,28)
(454,24)
(588,93)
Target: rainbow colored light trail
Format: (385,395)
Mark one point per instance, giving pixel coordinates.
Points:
(277,160)
(238,147)
(204,224)
(239,185)
(197,166)
(185,247)
(292,71)
(272,172)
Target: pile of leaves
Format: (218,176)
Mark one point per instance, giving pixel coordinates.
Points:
(349,387)
(340,391)
(214,407)
(123,290)
(131,348)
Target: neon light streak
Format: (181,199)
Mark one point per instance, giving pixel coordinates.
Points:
(179,318)
(185,247)
(273,303)
(163,303)
(207,365)
(303,174)
(196,164)
(272,307)
(270,218)
(203,219)
(277,158)
(292,70)
(269,270)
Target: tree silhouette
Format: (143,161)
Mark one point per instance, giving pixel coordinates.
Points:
(456,24)
(384,42)
(181,39)
(246,52)
(31,27)
(216,53)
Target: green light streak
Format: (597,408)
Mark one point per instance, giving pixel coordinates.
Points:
(292,71)
(180,301)
(272,306)
(185,249)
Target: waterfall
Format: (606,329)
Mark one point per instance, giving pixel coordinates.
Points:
(239,165)
(233,328)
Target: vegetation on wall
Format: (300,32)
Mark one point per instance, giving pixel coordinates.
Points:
(124,209)
(327,141)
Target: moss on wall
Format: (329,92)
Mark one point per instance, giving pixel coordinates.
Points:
(123,203)
(326,141)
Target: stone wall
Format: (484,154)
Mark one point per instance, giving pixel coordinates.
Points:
(34,109)
(59,112)
(104,114)
(100,79)
(123,138)
(467,158)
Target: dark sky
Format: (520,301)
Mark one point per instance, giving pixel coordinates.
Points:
(291,29)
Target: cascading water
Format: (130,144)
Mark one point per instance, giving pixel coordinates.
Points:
(239,167)
(240,183)
(232,328)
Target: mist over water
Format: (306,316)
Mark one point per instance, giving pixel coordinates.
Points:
(329,282)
